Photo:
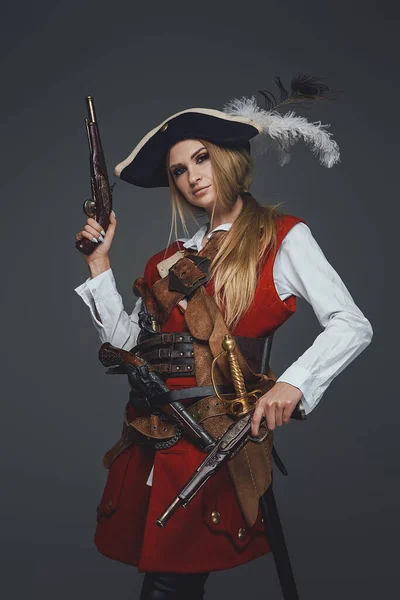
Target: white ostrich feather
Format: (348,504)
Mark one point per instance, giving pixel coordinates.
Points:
(283,131)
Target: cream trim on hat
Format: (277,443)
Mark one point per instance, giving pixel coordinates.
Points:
(205,111)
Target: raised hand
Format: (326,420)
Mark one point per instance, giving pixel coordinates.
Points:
(94,232)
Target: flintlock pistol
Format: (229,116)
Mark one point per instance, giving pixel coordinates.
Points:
(232,441)
(100,205)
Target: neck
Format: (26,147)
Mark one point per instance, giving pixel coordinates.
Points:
(225,216)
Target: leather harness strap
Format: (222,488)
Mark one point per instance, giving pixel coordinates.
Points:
(185,277)
(162,339)
(193,393)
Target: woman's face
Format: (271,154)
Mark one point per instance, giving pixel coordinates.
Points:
(190,167)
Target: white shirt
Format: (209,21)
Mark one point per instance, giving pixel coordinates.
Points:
(300,269)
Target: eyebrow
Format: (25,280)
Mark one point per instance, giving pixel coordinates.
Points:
(193,155)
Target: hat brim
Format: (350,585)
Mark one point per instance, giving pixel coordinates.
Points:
(145,166)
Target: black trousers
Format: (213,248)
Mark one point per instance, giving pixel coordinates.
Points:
(173,586)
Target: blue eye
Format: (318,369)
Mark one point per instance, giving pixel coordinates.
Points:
(180,170)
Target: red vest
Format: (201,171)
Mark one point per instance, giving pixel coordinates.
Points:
(210,534)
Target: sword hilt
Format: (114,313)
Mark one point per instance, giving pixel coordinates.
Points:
(245,401)
(229,346)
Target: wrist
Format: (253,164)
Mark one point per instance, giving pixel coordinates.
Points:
(98,266)
(291,389)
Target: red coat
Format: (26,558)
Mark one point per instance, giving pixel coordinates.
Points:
(190,542)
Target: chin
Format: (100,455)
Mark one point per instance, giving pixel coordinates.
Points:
(205,205)
(206,202)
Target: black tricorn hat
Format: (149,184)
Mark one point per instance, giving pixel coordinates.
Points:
(241,120)
(145,166)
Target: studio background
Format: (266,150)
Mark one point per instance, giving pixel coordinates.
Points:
(60,413)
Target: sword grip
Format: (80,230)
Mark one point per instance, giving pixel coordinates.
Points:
(229,346)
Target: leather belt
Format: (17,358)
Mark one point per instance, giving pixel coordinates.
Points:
(179,369)
(170,353)
(161,339)
(193,394)
(185,351)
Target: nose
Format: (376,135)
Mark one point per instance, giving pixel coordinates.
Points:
(194,176)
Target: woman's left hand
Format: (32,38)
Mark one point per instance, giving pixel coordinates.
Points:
(277,405)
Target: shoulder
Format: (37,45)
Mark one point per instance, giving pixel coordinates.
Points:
(300,250)
(284,223)
(151,273)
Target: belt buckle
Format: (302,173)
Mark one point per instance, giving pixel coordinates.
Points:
(164,353)
(168,338)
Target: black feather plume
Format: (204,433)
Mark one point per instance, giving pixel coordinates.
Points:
(305,89)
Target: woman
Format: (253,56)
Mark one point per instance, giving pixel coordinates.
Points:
(260,261)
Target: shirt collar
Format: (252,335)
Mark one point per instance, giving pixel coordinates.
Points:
(194,243)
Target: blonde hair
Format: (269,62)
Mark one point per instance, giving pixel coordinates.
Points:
(236,267)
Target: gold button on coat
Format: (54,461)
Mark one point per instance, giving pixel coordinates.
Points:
(215,516)
(241,533)
(109,505)
(164,127)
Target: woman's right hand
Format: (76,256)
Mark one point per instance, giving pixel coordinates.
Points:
(92,230)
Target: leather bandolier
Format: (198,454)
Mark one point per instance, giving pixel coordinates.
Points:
(180,354)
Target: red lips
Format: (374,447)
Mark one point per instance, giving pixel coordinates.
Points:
(199,189)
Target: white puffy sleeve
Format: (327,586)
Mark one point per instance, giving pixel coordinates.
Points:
(115,325)
(301,269)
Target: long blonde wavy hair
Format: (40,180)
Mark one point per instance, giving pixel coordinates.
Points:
(243,250)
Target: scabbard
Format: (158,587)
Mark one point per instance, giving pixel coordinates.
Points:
(272,522)
(276,540)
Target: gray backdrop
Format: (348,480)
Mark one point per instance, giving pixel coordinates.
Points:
(60,413)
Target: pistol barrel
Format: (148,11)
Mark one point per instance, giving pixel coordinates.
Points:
(90,107)
(167,514)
